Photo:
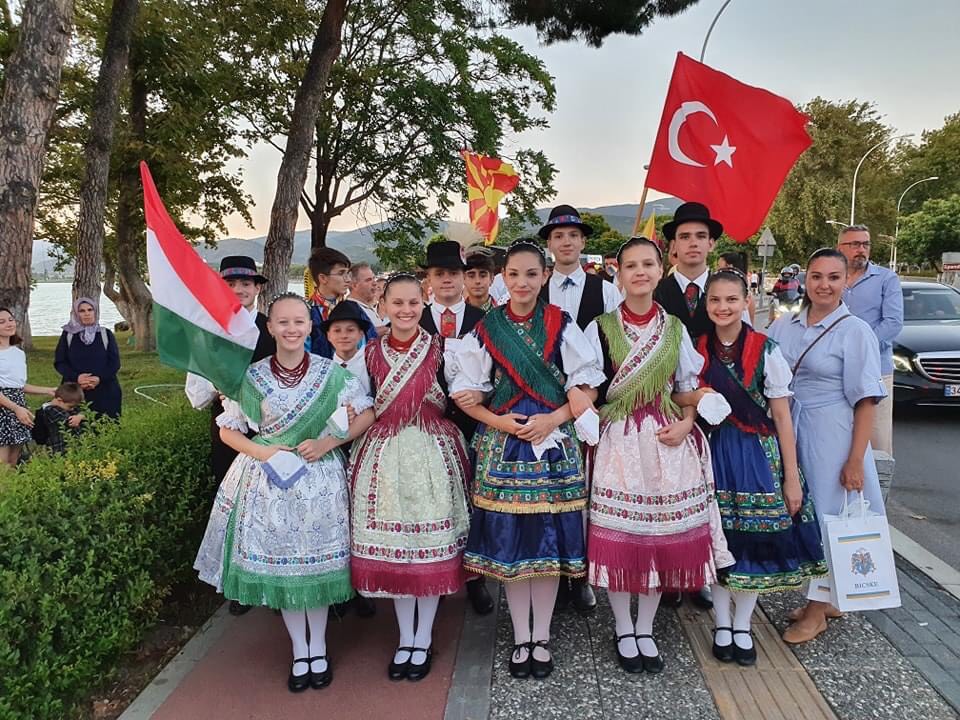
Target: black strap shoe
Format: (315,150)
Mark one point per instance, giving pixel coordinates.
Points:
(745,658)
(630,664)
(651,663)
(584,601)
(398,671)
(419,672)
(299,683)
(540,669)
(723,653)
(238,608)
(520,670)
(479,596)
(318,681)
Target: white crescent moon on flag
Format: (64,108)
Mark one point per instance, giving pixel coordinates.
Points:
(685,110)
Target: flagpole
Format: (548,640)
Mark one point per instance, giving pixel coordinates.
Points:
(643,202)
(703,50)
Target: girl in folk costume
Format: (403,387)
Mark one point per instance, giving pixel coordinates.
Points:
(279,532)
(654,522)
(768,516)
(408,476)
(527,526)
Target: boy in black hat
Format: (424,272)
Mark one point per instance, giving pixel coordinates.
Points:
(583,296)
(345,330)
(692,234)
(241,274)
(451,317)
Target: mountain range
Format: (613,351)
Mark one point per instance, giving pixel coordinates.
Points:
(358,244)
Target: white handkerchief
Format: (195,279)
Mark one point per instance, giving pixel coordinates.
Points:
(339,423)
(714,408)
(551,441)
(284,469)
(588,427)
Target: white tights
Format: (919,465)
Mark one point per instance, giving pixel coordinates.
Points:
(646,611)
(744,603)
(415,616)
(538,596)
(299,624)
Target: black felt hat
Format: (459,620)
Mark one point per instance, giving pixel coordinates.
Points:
(446,254)
(347,310)
(692,212)
(562,216)
(240,266)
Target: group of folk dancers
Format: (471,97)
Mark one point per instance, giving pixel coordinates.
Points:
(464,460)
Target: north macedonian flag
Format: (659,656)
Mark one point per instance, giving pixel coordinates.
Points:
(488,180)
(201,326)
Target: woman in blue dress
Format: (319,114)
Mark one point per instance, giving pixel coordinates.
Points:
(836,387)
(88,354)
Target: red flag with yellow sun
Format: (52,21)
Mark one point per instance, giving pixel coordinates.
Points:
(488,180)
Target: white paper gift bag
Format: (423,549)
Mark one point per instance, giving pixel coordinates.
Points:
(863,574)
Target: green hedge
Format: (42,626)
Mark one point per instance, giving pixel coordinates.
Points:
(90,544)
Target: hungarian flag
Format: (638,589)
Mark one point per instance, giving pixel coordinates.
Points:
(488,180)
(726,145)
(201,326)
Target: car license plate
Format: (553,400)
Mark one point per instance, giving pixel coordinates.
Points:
(951,391)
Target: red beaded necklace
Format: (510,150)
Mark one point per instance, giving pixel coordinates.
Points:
(289,377)
(401,345)
(640,320)
(519,318)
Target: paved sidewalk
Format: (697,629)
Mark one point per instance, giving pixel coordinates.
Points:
(890,665)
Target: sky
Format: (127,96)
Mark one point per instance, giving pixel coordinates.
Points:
(901,55)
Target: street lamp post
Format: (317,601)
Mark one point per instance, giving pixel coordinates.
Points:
(853,194)
(896,232)
(703,50)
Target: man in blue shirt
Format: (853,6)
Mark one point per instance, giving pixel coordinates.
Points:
(873,294)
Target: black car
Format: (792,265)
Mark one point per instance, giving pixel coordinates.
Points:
(926,353)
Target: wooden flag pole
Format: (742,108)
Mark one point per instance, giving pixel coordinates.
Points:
(639,221)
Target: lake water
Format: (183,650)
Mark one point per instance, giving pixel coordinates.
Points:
(50,307)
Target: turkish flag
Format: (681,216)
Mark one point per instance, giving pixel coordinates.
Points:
(726,145)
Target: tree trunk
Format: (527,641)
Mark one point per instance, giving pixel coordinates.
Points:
(296,156)
(30,94)
(136,302)
(103,114)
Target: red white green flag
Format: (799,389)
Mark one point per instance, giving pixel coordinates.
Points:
(201,326)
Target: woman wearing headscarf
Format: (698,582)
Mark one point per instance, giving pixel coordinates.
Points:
(88,354)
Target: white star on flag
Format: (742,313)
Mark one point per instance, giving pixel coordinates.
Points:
(724,152)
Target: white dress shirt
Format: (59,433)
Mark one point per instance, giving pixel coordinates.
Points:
(437,309)
(568,299)
(701,282)
(357,367)
(498,289)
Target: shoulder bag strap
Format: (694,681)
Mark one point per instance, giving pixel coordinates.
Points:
(816,340)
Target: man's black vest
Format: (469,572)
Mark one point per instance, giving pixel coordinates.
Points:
(669,295)
(591,301)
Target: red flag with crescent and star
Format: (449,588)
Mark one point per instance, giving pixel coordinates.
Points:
(725,144)
(488,180)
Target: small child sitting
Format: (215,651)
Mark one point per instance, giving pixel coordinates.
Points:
(58,416)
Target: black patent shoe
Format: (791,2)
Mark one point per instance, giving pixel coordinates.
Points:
(629,664)
(540,669)
(299,683)
(745,658)
(702,599)
(237,608)
(320,680)
(520,670)
(651,663)
(723,653)
(416,672)
(581,594)
(364,606)
(398,671)
(479,596)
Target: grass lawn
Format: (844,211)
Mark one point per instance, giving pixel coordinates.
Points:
(136,370)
